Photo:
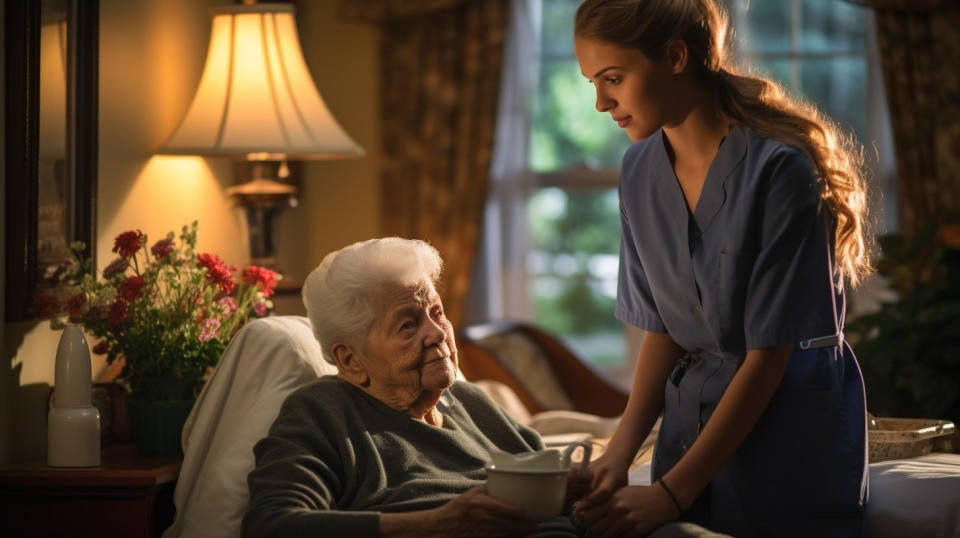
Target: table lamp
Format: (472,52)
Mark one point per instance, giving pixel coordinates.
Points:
(257,102)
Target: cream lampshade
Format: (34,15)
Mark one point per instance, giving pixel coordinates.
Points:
(257,101)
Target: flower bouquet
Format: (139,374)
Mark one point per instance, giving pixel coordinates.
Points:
(166,311)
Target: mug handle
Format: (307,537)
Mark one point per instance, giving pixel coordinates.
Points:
(587,447)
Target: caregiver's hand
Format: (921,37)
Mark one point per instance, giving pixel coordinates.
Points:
(578,485)
(608,473)
(630,511)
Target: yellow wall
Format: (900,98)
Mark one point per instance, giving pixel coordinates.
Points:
(151,57)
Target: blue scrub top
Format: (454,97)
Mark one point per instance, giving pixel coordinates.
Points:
(750,268)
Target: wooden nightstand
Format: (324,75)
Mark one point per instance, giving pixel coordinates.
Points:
(127,496)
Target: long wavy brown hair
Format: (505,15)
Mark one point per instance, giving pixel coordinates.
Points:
(750,100)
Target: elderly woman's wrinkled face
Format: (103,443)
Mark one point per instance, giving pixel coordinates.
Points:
(410,351)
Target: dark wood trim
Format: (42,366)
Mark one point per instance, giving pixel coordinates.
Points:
(22,23)
(22,78)
(85,144)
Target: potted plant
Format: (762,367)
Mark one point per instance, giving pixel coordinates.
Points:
(167,313)
(910,348)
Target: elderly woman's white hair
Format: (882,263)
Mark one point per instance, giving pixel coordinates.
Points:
(338,293)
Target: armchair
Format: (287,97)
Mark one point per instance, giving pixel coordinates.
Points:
(543,372)
(265,361)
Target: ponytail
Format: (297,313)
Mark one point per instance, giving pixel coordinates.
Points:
(762,106)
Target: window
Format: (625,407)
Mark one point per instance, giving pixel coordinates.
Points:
(816,48)
(573,212)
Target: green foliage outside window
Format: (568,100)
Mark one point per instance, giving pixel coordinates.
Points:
(574,268)
(568,131)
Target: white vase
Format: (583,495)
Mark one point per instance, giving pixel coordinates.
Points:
(73,425)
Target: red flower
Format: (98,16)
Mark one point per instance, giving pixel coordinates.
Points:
(130,288)
(262,277)
(217,271)
(162,248)
(210,261)
(118,311)
(128,243)
(102,348)
(75,304)
(98,312)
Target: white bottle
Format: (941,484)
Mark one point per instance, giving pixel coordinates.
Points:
(73,425)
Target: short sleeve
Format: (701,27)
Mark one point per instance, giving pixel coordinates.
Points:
(635,304)
(790,295)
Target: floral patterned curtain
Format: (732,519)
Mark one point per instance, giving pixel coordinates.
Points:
(920,50)
(440,80)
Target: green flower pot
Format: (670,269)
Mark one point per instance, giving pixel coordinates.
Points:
(157,425)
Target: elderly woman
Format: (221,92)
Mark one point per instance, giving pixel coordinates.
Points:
(393,445)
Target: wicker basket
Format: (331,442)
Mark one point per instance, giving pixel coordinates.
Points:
(897,438)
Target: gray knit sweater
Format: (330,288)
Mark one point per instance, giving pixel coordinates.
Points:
(336,457)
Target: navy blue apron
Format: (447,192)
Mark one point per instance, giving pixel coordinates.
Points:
(811,436)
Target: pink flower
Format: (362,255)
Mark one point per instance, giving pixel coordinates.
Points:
(162,248)
(102,348)
(211,326)
(118,311)
(130,288)
(75,304)
(262,277)
(227,306)
(116,267)
(127,244)
(260,309)
(217,271)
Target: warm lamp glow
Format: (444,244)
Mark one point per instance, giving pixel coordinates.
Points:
(256,95)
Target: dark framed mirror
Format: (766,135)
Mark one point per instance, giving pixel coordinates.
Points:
(51,70)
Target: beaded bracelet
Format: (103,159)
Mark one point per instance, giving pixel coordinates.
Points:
(670,493)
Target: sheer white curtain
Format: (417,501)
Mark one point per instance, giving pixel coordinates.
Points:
(880,158)
(880,153)
(499,284)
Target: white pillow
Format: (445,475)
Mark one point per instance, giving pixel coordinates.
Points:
(918,497)
(267,360)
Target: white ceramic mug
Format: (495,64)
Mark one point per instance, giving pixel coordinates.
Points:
(534,481)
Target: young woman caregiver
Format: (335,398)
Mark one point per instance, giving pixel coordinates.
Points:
(742,211)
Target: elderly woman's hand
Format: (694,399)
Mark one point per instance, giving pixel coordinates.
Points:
(476,513)
(473,514)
